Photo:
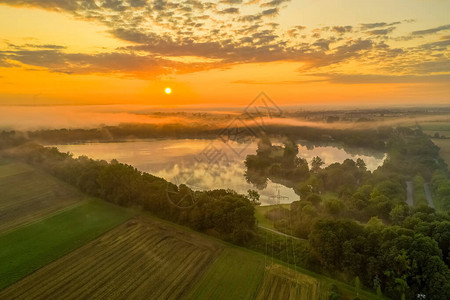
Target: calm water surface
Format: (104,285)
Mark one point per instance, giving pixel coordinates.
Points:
(209,164)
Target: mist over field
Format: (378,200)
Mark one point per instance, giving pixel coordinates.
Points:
(92,116)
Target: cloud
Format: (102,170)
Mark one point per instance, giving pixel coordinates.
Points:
(295,82)
(381,31)
(274,3)
(376,78)
(37,46)
(250,18)
(342,29)
(158,32)
(431,30)
(366,26)
(270,12)
(4,63)
(352,49)
(137,3)
(295,31)
(79,63)
(231,2)
(439,66)
(323,44)
(230,10)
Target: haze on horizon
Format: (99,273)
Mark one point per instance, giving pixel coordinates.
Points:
(224,52)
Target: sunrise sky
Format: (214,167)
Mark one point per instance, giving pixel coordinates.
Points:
(224,52)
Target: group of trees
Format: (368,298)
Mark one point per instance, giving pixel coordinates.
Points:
(275,162)
(348,189)
(222,213)
(440,185)
(357,222)
(11,139)
(402,263)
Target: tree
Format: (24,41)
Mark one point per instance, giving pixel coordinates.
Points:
(253,196)
(361,164)
(334,294)
(399,213)
(315,199)
(316,164)
(333,206)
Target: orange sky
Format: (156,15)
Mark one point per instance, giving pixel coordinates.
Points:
(224,52)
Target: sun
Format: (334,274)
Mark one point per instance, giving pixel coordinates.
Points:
(168,90)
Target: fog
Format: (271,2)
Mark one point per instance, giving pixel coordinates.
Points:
(91,116)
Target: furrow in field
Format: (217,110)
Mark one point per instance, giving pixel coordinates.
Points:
(145,260)
(86,269)
(131,260)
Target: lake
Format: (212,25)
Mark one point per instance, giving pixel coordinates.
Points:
(210,164)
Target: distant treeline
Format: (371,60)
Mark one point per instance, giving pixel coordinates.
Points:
(221,213)
(365,138)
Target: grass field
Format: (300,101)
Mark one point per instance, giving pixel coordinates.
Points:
(236,274)
(444,133)
(444,144)
(27,195)
(260,214)
(440,128)
(141,259)
(419,197)
(284,283)
(260,211)
(28,248)
(9,169)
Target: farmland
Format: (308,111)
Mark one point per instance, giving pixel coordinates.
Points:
(283,283)
(236,274)
(27,195)
(139,259)
(444,144)
(28,248)
(260,214)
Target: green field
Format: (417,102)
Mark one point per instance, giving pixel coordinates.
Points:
(26,195)
(444,144)
(236,274)
(9,169)
(419,197)
(24,250)
(260,214)
(284,283)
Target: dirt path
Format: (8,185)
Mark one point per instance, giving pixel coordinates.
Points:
(409,193)
(426,187)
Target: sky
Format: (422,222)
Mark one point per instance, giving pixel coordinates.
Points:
(219,53)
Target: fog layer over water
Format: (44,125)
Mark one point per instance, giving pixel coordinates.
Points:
(208,164)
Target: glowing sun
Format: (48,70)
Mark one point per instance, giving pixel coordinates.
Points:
(168,90)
